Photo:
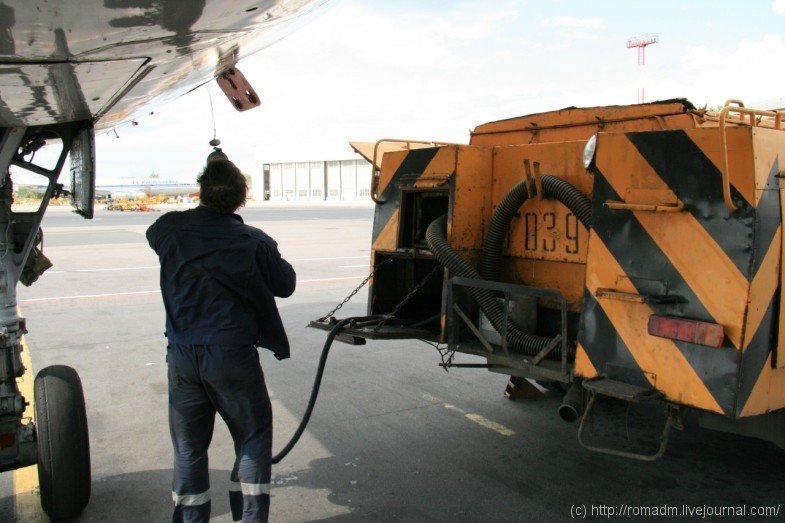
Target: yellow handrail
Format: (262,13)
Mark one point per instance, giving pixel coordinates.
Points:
(755,118)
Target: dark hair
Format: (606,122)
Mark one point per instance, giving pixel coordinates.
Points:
(223,186)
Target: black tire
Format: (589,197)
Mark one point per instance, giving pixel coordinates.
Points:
(63,443)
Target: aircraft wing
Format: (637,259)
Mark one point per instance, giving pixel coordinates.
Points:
(108,60)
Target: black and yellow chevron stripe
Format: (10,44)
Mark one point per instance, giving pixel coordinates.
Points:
(722,266)
(400,169)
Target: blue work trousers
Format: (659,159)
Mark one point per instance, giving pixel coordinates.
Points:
(228,379)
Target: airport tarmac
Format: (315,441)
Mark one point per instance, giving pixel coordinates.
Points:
(393,436)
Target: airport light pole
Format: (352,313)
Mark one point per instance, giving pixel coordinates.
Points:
(640,43)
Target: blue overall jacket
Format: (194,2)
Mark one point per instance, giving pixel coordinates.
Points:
(219,279)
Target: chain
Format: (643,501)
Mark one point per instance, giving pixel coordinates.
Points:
(445,353)
(397,307)
(407,298)
(355,291)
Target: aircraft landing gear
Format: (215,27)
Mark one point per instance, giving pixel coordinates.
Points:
(58,439)
(63,445)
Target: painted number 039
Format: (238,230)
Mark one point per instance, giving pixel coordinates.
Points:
(547,225)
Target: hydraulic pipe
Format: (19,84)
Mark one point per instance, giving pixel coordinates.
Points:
(573,403)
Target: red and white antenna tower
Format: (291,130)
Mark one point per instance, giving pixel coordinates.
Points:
(641,42)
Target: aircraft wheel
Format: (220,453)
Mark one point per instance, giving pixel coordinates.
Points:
(63,444)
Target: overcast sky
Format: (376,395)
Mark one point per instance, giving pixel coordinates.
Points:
(370,69)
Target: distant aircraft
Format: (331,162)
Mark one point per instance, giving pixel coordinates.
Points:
(125,187)
(139,187)
(67,69)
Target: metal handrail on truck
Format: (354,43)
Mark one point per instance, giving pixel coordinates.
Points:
(755,118)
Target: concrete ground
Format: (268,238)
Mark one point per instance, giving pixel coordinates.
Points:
(393,436)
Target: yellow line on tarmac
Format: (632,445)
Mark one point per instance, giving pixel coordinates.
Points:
(488,424)
(27,499)
(476,418)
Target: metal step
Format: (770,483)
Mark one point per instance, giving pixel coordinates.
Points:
(620,390)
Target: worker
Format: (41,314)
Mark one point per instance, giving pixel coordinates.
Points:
(219,278)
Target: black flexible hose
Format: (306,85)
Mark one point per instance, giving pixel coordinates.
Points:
(490,261)
(527,343)
(437,242)
(571,197)
(552,187)
(315,390)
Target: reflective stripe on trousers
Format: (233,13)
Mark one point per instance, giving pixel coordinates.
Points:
(191,507)
(190,500)
(249,489)
(203,380)
(246,499)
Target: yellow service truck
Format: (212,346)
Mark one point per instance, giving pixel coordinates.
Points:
(627,252)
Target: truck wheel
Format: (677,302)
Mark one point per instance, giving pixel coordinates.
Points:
(63,444)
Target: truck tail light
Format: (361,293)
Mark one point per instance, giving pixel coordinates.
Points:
(7,440)
(692,331)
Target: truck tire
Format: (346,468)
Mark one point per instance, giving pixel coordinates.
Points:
(63,443)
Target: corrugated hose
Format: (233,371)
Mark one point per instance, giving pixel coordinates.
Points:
(490,262)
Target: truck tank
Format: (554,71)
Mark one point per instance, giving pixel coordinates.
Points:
(628,252)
